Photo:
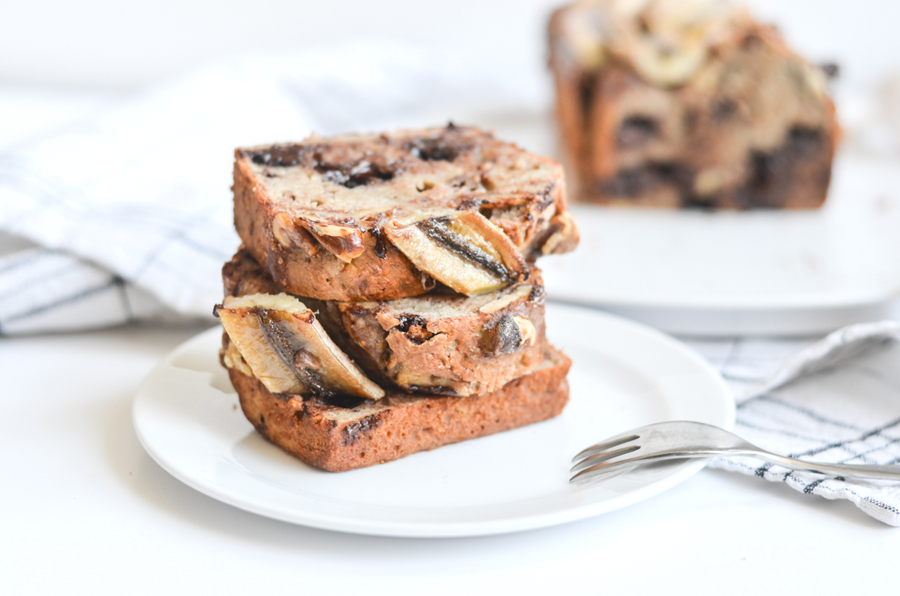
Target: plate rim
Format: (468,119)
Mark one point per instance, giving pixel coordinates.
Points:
(848,164)
(419,529)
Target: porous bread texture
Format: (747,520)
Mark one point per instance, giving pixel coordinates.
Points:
(345,438)
(435,343)
(314,213)
(682,103)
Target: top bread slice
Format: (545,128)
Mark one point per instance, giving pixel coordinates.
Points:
(386,216)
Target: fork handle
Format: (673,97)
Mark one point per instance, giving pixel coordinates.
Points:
(859,471)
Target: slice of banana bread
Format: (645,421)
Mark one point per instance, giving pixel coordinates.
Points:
(381,217)
(438,343)
(688,103)
(359,433)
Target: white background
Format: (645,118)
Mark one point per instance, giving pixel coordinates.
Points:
(116,45)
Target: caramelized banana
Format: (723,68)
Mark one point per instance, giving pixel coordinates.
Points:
(462,250)
(287,349)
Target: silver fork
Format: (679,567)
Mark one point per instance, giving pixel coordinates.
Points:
(681,440)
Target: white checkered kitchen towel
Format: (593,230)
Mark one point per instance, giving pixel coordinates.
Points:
(133,209)
(836,401)
(131,215)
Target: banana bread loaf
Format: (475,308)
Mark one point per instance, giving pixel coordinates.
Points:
(688,103)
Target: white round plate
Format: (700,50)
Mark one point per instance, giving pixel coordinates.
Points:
(623,375)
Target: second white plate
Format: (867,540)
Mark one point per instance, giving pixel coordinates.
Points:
(623,375)
(726,273)
(756,273)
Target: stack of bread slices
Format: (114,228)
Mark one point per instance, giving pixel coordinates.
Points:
(385,299)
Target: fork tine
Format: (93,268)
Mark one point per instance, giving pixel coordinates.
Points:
(605,468)
(601,447)
(603,457)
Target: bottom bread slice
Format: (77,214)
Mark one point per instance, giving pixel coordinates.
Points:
(372,432)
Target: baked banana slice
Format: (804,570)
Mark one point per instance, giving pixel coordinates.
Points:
(288,351)
(462,250)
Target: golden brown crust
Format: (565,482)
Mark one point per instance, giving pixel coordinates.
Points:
(314,221)
(752,127)
(339,439)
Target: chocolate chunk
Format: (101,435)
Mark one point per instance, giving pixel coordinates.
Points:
(626,183)
(699,203)
(353,430)
(724,110)
(631,182)
(278,155)
(446,147)
(586,86)
(636,130)
(380,247)
(773,174)
(546,197)
(415,329)
(340,401)
(763,168)
(804,141)
(351,174)
(537,293)
(360,173)
(433,390)
(503,336)
(768,172)
(831,69)
(407,321)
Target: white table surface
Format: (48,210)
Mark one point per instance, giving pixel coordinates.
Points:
(82,506)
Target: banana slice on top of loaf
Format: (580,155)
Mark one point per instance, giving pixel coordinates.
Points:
(382,216)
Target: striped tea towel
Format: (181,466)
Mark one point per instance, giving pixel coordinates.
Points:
(133,211)
(836,401)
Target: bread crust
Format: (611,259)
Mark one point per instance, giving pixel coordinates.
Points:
(753,128)
(339,439)
(315,223)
